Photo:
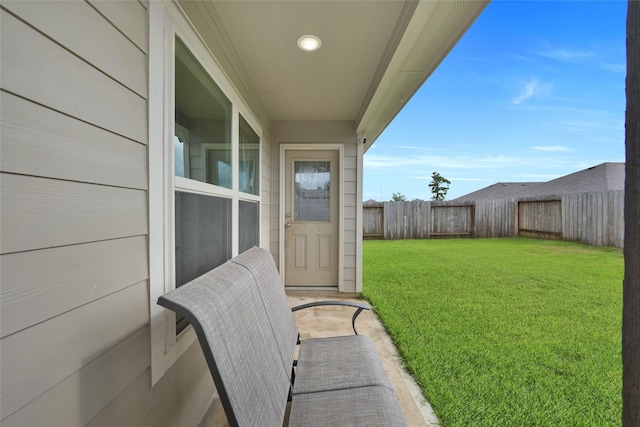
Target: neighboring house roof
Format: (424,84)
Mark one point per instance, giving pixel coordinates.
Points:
(498,190)
(603,177)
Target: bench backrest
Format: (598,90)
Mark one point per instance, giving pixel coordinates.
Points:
(260,264)
(227,313)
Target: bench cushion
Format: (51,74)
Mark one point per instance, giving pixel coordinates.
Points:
(374,406)
(226,311)
(337,363)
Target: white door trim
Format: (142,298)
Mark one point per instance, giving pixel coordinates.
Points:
(281,202)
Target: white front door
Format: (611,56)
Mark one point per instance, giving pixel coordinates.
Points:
(311,218)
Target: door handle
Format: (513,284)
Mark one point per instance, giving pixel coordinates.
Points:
(287,225)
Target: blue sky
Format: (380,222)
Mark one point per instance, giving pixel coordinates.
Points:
(532,92)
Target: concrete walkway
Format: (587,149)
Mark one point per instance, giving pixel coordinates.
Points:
(330,321)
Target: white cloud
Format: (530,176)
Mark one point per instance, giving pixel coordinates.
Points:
(567,109)
(530,88)
(386,162)
(551,148)
(564,55)
(593,125)
(610,140)
(430,162)
(458,179)
(616,68)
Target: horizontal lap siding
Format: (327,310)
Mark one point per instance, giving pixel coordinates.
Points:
(42,213)
(350,211)
(74,400)
(66,277)
(265,191)
(176,400)
(39,141)
(128,16)
(39,69)
(41,356)
(101,44)
(73,264)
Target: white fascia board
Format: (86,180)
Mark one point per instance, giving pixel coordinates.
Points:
(433,31)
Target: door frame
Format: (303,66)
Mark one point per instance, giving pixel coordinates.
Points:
(281,202)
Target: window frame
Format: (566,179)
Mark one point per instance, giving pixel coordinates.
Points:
(166,22)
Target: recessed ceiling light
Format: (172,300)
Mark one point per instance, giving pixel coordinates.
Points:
(309,42)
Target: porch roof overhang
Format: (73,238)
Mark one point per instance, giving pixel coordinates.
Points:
(374,56)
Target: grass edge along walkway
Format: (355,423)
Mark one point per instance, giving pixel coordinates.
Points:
(504,332)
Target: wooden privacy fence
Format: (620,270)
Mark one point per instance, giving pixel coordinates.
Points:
(592,218)
(541,219)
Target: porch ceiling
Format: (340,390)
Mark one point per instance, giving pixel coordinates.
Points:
(374,54)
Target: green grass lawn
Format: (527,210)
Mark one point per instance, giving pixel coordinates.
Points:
(504,332)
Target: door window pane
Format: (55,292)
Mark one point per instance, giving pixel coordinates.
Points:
(311,190)
(202,141)
(249,158)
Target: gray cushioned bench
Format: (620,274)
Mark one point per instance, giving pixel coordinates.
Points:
(248,334)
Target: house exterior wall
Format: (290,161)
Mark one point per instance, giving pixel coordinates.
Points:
(74,254)
(74,251)
(324,132)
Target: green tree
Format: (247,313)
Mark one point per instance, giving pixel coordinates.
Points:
(398,197)
(439,186)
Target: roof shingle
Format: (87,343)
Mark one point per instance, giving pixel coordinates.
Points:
(603,177)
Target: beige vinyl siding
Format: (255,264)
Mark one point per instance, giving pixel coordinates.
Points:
(74,304)
(77,398)
(60,282)
(37,358)
(64,213)
(41,70)
(266,200)
(350,213)
(101,44)
(129,17)
(178,399)
(39,141)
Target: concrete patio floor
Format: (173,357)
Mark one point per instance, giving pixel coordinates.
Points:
(334,321)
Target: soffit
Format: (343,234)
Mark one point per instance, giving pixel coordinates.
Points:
(374,54)
(328,84)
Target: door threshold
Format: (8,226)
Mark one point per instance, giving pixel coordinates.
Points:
(326,292)
(311,288)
